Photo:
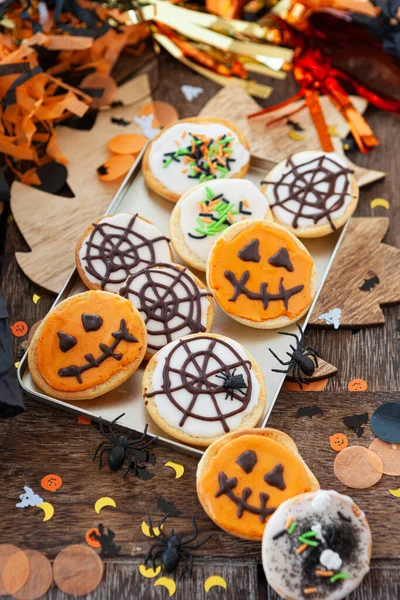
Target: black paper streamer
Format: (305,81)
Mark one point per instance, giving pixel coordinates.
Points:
(11,403)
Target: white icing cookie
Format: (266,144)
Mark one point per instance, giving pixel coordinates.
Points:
(204,212)
(192,151)
(201,386)
(172,302)
(316,546)
(116,246)
(311,193)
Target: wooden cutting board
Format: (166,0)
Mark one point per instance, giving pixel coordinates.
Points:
(364,276)
(52,225)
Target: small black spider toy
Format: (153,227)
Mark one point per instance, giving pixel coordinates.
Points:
(172,549)
(232,383)
(119,447)
(300,360)
(108,548)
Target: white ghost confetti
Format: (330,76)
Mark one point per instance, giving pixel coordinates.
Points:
(146,124)
(29,498)
(191,92)
(331,317)
(331,560)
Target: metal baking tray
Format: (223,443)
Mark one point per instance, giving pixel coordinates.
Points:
(133,196)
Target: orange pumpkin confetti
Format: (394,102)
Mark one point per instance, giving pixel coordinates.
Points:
(338,441)
(51,482)
(19,329)
(91,541)
(357,385)
(115,167)
(358,467)
(389,455)
(130,143)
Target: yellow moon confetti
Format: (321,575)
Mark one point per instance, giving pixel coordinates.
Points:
(178,468)
(149,572)
(214,580)
(146,529)
(395,493)
(295,136)
(48,510)
(167,583)
(380,202)
(36,298)
(102,502)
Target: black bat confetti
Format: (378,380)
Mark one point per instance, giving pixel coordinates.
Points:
(370,283)
(309,411)
(354,422)
(167,507)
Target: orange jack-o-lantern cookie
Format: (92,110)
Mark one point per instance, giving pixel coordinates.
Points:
(244,476)
(261,274)
(87,345)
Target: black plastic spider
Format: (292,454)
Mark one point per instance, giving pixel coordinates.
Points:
(172,549)
(232,383)
(119,447)
(300,360)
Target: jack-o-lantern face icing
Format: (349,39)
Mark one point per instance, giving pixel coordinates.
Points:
(260,272)
(246,480)
(87,340)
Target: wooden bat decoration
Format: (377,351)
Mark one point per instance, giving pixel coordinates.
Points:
(51,224)
(372,278)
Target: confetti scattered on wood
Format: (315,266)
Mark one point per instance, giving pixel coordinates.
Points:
(178,468)
(361,251)
(104,501)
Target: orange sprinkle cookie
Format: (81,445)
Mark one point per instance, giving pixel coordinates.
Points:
(87,345)
(244,476)
(210,148)
(326,552)
(261,275)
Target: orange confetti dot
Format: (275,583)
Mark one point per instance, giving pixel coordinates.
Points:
(115,167)
(357,467)
(84,420)
(93,542)
(357,385)
(19,329)
(389,455)
(338,441)
(130,143)
(51,482)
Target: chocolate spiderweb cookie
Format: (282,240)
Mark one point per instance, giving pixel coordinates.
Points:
(316,545)
(312,193)
(172,302)
(201,386)
(117,246)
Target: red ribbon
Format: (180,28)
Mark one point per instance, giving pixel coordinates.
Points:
(315,75)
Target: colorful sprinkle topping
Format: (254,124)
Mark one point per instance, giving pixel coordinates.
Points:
(205,157)
(292,527)
(215,214)
(338,576)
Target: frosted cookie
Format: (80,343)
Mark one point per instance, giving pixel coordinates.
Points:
(261,275)
(207,210)
(316,546)
(202,386)
(116,246)
(172,301)
(87,345)
(192,151)
(312,193)
(244,476)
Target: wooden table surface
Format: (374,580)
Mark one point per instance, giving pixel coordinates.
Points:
(45,440)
